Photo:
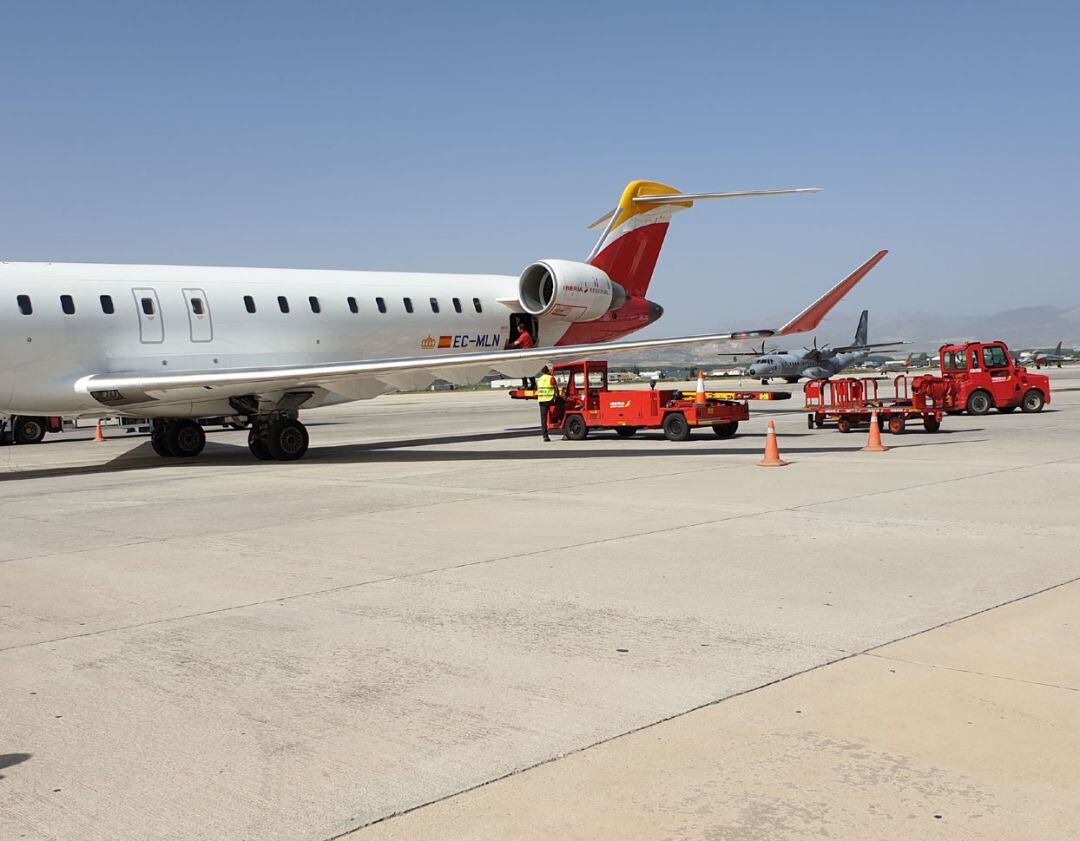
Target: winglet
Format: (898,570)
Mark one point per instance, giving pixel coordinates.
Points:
(811,317)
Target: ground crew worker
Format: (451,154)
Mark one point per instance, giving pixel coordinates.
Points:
(547,392)
(524,341)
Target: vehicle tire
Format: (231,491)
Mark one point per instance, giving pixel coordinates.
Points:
(930,423)
(574,428)
(1033,401)
(809,421)
(819,421)
(28,430)
(287,440)
(896,425)
(257,443)
(1006,409)
(843,425)
(675,427)
(979,403)
(184,438)
(726,430)
(625,431)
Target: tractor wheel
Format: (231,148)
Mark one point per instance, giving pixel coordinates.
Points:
(574,428)
(1033,401)
(726,430)
(896,424)
(930,423)
(625,431)
(809,421)
(675,427)
(979,403)
(843,425)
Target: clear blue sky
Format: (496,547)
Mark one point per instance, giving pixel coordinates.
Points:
(478,137)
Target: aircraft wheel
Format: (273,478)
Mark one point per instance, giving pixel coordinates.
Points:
(184,438)
(625,431)
(28,430)
(1033,401)
(675,427)
(791,380)
(1006,409)
(287,439)
(574,428)
(726,430)
(257,442)
(978,403)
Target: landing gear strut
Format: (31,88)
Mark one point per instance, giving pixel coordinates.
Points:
(278,438)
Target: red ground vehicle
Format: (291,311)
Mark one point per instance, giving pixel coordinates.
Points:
(986,377)
(848,402)
(589,404)
(27,429)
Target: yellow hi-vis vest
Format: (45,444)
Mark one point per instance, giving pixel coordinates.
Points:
(545,388)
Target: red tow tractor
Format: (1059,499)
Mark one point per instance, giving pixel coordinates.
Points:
(986,377)
(588,404)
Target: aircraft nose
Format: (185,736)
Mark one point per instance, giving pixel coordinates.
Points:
(655,312)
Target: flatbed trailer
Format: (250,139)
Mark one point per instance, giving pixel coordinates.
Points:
(848,402)
(588,403)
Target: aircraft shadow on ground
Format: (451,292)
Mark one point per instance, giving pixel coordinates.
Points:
(9,759)
(413,450)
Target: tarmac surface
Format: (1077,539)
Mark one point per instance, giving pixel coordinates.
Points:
(438,626)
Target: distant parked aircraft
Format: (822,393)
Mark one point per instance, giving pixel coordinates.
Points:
(1040,357)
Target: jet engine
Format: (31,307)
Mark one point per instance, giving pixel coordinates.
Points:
(568,291)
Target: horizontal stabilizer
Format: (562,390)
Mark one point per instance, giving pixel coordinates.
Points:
(678,198)
(811,317)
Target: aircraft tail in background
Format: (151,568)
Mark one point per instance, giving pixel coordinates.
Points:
(861,333)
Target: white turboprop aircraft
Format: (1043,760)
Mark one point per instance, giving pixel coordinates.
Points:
(178,343)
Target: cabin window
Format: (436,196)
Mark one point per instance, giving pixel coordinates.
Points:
(316,307)
(107,305)
(25,307)
(147,305)
(67,304)
(435,305)
(381,304)
(476,305)
(408,304)
(283,303)
(353,308)
(197,306)
(249,303)
(457,305)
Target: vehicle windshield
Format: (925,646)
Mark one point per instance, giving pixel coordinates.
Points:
(955,360)
(994,357)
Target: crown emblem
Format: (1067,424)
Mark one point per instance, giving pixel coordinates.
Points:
(428,343)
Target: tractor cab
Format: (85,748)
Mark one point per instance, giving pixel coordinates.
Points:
(581,383)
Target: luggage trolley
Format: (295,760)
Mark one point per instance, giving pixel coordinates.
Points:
(847,402)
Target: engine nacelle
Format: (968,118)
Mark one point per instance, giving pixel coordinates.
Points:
(568,291)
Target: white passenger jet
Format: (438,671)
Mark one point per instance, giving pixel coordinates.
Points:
(179,343)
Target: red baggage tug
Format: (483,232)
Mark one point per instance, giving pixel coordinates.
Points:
(588,403)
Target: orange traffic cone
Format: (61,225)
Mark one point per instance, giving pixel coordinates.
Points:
(98,435)
(772,451)
(874,444)
(700,399)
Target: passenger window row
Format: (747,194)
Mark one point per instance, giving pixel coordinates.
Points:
(67,304)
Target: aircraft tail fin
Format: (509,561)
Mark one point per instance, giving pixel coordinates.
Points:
(861,332)
(1057,350)
(635,229)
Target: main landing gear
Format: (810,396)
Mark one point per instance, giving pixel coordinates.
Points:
(277,438)
(273,437)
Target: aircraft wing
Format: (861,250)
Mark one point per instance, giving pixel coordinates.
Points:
(355,379)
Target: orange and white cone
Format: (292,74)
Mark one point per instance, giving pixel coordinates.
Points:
(98,435)
(772,451)
(873,444)
(700,399)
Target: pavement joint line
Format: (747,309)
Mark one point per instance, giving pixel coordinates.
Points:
(705,705)
(511,557)
(975,672)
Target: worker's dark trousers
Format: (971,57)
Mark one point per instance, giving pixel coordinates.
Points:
(543,418)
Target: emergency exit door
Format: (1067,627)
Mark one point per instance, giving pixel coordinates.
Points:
(198,313)
(151,326)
